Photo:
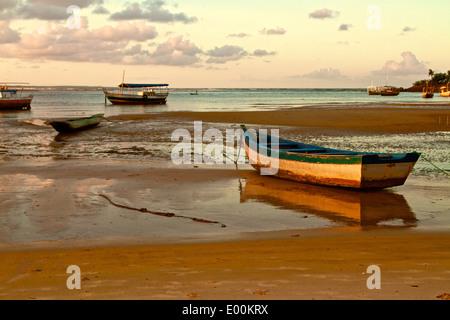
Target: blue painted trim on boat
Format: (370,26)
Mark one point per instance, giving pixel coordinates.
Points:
(321,154)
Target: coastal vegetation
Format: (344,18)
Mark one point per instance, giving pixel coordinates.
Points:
(435,80)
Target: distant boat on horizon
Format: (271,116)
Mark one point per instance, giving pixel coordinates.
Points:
(443,92)
(389,91)
(383,90)
(428,92)
(373,90)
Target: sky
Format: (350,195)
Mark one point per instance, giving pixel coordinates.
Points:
(223,44)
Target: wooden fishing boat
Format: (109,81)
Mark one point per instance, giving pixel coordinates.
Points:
(11,100)
(427,95)
(428,92)
(138,94)
(443,92)
(76,124)
(312,164)
(373,90)
(389,91)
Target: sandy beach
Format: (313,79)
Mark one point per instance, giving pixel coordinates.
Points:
(323,265)
(215,245)
(405,119)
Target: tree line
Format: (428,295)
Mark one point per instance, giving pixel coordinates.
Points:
(434,78)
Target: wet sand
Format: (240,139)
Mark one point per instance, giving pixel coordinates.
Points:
(366,119)
(289,267)
(54,199)
(211,262)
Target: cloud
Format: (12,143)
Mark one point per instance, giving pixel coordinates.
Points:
(7,4)
(263,53)
(324,74)
(40,9)
(100,10)
(324,14)
(239,35)
(409,65)
(344,27)
(277,31)
(225,54)
(124,31)
(151,10)
(54,41)
(175,52)
(132,12)
(7,35)
(408,29)
(66,3)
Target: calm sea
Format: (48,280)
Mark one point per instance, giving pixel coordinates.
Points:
(48,104)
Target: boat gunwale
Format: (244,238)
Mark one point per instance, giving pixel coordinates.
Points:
(330,155)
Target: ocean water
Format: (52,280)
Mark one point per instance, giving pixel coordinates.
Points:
(422,203)
(50,104)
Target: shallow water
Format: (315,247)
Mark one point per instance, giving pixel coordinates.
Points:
(56,104)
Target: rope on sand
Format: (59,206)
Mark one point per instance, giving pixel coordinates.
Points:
(165,214)
(442,170)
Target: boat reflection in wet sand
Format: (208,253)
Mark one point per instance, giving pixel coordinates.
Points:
(347,207)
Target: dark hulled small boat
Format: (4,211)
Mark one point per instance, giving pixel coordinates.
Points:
(312,164)
(389,91)
(76,124)
(428,92)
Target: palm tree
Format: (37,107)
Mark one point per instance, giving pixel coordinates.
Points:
(430,73)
